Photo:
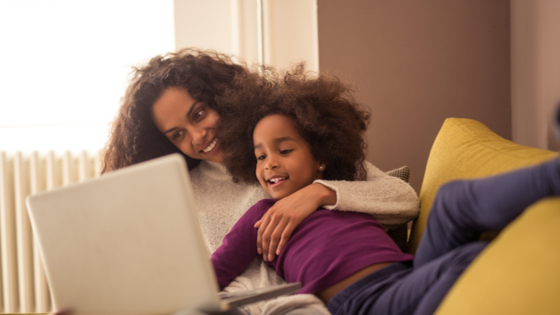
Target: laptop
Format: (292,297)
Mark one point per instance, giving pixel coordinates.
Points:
(129,242)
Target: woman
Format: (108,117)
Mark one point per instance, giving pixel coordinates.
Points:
(171,106)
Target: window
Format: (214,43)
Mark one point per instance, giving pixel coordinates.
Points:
(65,66)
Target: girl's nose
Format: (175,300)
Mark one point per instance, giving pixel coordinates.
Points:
(271,164)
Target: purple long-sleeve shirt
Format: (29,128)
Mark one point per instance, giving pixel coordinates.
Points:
(327,247)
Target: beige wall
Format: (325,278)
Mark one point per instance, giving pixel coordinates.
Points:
(535,70)
(415,63)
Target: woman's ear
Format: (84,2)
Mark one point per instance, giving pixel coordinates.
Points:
(321,167)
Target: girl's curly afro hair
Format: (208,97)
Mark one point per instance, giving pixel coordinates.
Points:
(322,108)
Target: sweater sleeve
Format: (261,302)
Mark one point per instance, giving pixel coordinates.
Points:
(390,200)
(238,248)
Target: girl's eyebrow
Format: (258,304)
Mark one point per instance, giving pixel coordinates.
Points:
(187,115)
(277,140)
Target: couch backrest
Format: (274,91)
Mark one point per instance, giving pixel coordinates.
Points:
(466,148)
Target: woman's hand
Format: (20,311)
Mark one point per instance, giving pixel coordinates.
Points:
(280,221)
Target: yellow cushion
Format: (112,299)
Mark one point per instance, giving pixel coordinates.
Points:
(466,148)
(519,271)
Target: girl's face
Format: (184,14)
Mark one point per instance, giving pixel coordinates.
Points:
(284,161)
(188,124)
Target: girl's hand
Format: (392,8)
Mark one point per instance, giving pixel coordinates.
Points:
(280,221)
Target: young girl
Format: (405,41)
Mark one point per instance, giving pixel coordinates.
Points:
(171,106)
(346,259)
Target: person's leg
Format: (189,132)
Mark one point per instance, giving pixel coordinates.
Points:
(422,290)
(464,209)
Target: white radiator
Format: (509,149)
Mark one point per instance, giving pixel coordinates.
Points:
(23,286)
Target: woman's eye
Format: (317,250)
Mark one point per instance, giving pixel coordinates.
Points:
(197,116)
(177,135)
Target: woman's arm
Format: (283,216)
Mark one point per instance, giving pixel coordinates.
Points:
(388,199)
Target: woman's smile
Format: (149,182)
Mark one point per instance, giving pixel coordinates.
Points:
(211,146)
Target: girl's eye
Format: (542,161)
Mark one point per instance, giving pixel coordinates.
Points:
(285,151)
(261,157)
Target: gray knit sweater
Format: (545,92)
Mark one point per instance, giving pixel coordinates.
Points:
(221,202)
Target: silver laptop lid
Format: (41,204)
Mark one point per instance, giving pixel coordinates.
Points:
(126,242)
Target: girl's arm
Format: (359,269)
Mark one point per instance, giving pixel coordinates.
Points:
(237,250)
(388,199)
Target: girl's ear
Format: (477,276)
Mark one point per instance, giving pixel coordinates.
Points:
(321,167)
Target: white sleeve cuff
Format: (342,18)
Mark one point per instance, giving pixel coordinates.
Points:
(334,188)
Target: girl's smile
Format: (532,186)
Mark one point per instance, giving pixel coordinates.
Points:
(276,181)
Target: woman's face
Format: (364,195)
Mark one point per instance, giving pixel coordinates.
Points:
(188,124)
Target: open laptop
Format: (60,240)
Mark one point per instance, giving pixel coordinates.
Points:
(129,242)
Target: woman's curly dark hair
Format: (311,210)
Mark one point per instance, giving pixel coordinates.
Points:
(324,112)
(134,137)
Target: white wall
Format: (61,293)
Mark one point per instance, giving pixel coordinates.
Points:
(222,25)
(230,26)
(291,33)
(535,71)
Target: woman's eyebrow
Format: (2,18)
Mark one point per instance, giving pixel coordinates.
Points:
(192,108)
(187,115)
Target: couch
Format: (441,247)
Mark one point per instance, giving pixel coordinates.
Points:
(519,271)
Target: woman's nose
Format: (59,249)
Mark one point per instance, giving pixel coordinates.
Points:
(198,136)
